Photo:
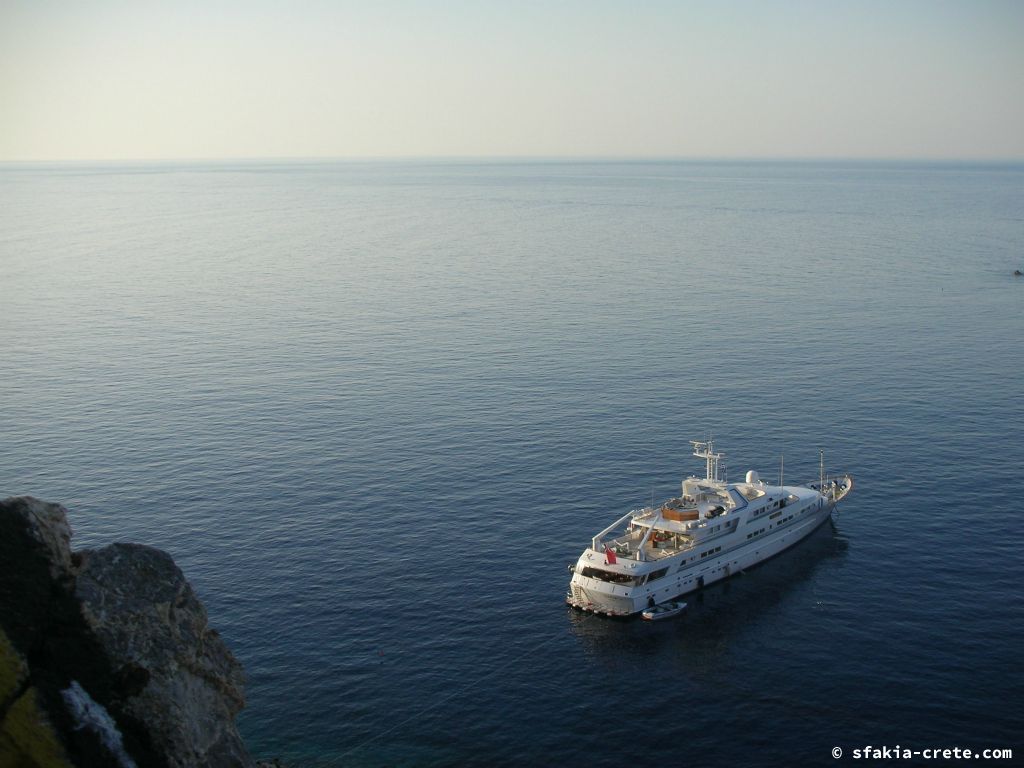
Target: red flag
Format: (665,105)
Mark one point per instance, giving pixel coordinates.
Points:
(609,556)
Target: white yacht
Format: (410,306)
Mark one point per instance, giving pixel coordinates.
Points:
(711,531)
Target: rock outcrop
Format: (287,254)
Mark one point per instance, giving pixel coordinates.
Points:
(106,656)
(27,737)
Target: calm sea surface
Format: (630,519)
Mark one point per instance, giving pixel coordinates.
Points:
(373,410)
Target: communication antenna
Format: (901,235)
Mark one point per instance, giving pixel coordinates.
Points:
(705,449)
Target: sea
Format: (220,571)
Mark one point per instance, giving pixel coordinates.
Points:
(374,409)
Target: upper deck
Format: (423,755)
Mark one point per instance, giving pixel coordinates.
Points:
(706,509)
(688,522)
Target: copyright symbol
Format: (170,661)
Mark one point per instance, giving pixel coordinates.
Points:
(837,752)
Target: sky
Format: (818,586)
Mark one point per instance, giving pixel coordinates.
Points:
(137,79)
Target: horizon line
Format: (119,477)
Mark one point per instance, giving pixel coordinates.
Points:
(509,158)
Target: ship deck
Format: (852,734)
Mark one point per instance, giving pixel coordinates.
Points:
(626,546)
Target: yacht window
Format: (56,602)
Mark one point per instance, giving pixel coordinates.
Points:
(657,574)
(610,576)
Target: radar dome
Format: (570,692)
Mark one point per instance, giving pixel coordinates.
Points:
(752,477)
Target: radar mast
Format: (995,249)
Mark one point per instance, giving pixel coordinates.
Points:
(705,449)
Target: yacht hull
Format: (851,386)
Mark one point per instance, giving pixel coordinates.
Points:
(711,531)
(612,600)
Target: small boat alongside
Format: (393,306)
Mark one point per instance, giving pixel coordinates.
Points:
(664,611)
(712,530)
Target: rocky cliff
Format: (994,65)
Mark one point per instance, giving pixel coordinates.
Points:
(106,655)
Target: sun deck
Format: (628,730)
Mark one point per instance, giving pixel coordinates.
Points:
(653,549)
(663,541)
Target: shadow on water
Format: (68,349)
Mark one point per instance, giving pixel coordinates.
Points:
(716,615)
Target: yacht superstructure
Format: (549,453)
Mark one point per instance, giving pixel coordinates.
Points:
(712,530)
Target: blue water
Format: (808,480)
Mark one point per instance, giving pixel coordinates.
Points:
(374,409)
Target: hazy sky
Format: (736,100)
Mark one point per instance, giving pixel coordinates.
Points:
(107,79)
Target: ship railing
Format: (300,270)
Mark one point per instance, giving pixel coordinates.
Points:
(658,553)
(835,487)
(624,545)
(598,540)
